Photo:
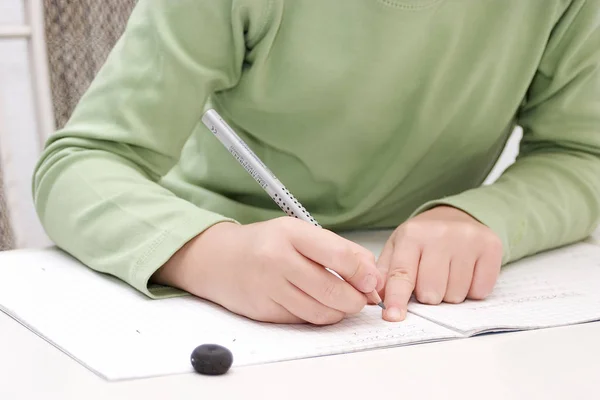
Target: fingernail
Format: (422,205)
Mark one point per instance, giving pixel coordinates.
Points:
(394,314)
(369,283)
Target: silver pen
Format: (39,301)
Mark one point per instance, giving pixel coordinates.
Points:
(255,167)
(263,175)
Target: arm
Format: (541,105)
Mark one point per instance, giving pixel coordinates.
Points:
(551,195)
(95,185)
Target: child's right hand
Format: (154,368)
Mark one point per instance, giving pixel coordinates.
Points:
(274,271)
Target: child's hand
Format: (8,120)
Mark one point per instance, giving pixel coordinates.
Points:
(443,255)
(274,271)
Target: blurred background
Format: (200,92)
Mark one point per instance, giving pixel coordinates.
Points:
(50,51)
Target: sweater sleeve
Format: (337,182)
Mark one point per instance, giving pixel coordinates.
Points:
(95,187)
(550,196)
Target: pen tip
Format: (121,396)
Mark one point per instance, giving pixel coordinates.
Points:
(380,304)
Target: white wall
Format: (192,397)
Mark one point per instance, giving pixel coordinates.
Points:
(19,143)
(511,150)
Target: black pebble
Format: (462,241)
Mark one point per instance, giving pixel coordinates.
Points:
(211,359)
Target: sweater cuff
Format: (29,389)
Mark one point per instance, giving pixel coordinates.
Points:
(163,247)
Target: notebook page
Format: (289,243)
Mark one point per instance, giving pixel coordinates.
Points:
(121,334)
(558,287)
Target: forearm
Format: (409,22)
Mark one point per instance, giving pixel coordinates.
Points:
(107,213)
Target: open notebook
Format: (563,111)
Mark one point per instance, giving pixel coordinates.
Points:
(120,334)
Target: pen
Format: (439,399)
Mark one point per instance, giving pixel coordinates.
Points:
(263,175)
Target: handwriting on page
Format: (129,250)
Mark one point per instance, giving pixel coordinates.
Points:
(555,288)
(530,291)
(358,332)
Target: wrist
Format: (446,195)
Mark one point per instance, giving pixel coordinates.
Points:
(199,252)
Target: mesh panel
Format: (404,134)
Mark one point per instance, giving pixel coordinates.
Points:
(6,237)
(80,34)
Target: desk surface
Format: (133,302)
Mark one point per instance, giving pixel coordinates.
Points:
(556,363)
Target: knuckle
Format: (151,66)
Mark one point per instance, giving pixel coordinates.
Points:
(440,230)
(267,254)
(414,229)
(470,230)
(402,273)
(285,223)
(342,255)
(370,258)
(331,290)
(493,244)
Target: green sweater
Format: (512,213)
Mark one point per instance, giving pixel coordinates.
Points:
(369,111)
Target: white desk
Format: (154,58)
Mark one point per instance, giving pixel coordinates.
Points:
(558,363)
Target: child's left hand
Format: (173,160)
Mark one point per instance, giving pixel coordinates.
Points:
(442,255)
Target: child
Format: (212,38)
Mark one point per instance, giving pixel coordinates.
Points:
(374,113)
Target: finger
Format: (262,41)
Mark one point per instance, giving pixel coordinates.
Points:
(267,311)
(368,254)
(374,297)
(485,275)
(338,254)
(369,259)
(459,279)
(401,278)
(432,276)
(323,286)
(277,314)
(383,264)
(305,307)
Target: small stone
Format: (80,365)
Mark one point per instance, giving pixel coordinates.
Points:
(211,359)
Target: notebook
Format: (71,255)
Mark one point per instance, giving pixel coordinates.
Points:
(120,334)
